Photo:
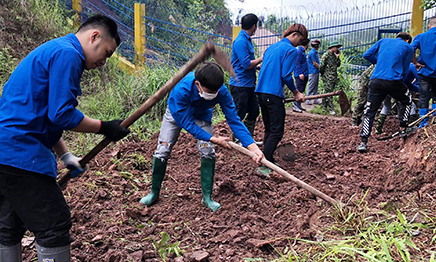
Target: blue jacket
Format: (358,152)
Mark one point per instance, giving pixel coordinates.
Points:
(278,64)
(39,102)
(313,57)
(392,58)
(242,54)
(186,106)
(426,43)
(301,67)
(411,79)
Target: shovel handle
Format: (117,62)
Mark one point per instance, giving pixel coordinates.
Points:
(292,99)
(288,176)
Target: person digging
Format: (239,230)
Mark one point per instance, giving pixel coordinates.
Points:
(190,106)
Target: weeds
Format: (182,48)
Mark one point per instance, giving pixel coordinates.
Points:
(164,248)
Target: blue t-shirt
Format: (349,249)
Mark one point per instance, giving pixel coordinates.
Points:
(242,54)
(186,106)
(426,42)
(278,64)
(39,102)
(313,57)
(301,67)
(392,58)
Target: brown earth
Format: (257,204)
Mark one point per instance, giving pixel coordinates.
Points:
(110,224)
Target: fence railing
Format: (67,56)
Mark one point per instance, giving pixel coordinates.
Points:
(152,31)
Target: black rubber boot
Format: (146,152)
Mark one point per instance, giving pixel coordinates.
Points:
(10,253)
(157,176)
(207,174)
(54,254)
(380,122)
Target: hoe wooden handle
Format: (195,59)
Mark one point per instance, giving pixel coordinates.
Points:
(289,176)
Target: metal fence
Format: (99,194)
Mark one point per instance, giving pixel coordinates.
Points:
(175,32)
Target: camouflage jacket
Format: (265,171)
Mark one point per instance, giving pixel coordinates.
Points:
(365,76)
(329,66)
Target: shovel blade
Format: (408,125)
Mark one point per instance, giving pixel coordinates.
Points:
(344,103)
(286,152)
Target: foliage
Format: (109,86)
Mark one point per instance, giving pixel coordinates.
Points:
(360,233)
(8,63)
(427,4)
(164,248)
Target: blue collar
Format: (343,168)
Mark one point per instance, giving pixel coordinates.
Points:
(76,43)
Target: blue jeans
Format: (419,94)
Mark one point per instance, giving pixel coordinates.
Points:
(169,133)
(427,90)
(312,86)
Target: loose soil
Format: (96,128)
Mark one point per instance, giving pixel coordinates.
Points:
(109,224)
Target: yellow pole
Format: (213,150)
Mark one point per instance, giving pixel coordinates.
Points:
(236,30)
(77,6)
(417,18)
(139,33)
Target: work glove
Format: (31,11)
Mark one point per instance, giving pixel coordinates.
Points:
(112,130)
(72,163)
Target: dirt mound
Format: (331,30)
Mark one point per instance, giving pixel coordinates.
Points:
(110,225)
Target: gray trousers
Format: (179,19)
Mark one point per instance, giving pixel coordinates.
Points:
(169,133)
(312,86)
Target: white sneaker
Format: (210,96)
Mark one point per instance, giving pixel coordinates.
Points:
(296,109)
(258,143)
(332,112)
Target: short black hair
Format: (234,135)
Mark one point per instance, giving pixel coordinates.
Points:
(104,22)
(405,36)
(210,75)
(248,21)
(305,42)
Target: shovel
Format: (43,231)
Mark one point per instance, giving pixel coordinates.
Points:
(344,103)
(417,121)
(289,176)
(206,50)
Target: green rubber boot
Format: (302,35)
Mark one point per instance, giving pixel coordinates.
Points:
(157,176)
(380,122)
(207,174)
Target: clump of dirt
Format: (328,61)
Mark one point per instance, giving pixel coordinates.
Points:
(257,212)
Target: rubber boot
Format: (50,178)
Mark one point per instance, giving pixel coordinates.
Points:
(433,107)
(157,176)
(422,112)
(207,174)
(10,253)
(380,122)
(53,254)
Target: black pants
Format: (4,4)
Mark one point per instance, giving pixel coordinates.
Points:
(32,201)
(246,102)
(273,115)
(427,90)
(378,90)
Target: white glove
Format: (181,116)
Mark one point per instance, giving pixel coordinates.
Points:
(72,163)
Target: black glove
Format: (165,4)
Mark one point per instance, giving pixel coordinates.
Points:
(112,130)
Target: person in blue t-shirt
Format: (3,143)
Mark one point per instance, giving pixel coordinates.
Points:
(392,58)
(313,64)
(38,103)
(190,107)
(244,63)
(301,73)
(277,69)
(426,65)
(411,81)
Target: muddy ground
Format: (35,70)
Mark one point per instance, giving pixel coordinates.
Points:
(110,224)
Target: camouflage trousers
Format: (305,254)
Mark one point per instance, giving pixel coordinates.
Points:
(329,86)
(362,96)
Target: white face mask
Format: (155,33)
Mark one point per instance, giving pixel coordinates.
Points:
(207,96)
